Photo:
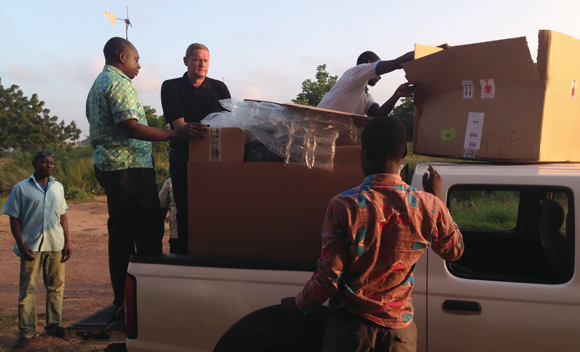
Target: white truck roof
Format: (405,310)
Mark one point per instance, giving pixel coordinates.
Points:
(501,174)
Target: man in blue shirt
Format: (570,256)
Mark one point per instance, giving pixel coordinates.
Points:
(36,207)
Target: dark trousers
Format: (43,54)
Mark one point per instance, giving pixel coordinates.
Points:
(178,171)
(135,220)
(349,332)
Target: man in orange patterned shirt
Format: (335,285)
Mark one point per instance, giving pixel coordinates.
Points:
(372,237)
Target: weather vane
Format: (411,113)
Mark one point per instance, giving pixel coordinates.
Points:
(113,18)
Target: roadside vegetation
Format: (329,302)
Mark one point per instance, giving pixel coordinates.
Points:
(73,168)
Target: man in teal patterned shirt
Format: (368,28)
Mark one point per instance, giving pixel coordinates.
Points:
(123,162)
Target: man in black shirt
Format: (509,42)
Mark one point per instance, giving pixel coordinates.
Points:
(188,99)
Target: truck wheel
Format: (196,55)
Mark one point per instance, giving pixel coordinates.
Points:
(268,330)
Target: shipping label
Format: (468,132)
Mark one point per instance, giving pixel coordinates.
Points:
(487,88)
(474,130)
(573,90)
(469,153)
(215,145)
(448,134)
(468,89)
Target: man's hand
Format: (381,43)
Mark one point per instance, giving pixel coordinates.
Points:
(288,305)
(405,90)
(410,56)
(444,46)
(433,183)
(26,252)
(66,252)
(193,130)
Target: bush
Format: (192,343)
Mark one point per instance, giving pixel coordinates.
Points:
(73,168)
(162,174)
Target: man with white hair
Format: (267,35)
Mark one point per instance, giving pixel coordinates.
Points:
(188,99)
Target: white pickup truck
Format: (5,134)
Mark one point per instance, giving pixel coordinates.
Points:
(514,289)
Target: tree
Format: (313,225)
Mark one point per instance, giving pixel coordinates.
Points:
(25,124)
(158,122)
(313,91)
(406,113)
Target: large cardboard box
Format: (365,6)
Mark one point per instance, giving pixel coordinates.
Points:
(491,101)
(260,210)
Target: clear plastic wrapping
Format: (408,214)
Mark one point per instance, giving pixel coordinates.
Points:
(278,133)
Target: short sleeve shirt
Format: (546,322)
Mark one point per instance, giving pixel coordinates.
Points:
(39,212)
(180,99)
(113,99)
(350,94)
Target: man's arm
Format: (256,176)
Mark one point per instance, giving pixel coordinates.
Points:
(132,129)
(67,250)
(16,228)
(447,240)
(433,183)
(404,90)
(396,64)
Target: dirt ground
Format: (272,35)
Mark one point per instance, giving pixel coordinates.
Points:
(87,289)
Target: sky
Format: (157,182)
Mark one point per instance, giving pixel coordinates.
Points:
(260,49)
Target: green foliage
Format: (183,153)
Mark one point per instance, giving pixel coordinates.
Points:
(313,91)
(26,125)
(489,210)
(159,148)
(73,168)
(406,113)
(161,174)
(78,195)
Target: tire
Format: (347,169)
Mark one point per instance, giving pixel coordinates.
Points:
(268,330)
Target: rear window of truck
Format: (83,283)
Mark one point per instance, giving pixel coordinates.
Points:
(514,233)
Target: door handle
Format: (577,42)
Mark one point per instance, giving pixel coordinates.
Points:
(465,306)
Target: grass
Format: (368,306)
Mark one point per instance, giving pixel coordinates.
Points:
(489,210)
(73,168)
(7,321)
(90,229)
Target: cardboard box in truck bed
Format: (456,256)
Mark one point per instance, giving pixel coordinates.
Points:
(491,101)
(260,210)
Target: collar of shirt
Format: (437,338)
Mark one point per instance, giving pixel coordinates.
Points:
(50,182)
(204,84)
(383,180)
(113,69)
(366,88)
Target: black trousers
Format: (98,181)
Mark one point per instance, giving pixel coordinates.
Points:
(349,332)
(135,220)
(178,171)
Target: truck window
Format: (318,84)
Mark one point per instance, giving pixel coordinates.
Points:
(514,233)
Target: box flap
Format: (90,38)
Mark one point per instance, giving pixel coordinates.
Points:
(424,50)
(359,120)
(505,61)
(558,64)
